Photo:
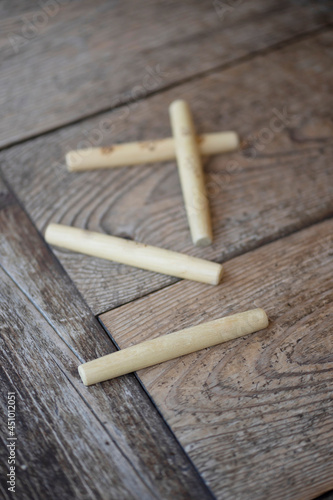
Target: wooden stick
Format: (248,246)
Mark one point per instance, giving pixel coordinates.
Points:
(135,153)
(134,254)
(160,349)
(191,173)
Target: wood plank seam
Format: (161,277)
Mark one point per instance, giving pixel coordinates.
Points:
(47,319)
(41,312)
(86,403)
(271,200)
(163,418)
(57,361)
(157,408)
(11,215)
(192,78)
(267,241)
(132,464)
(292,365)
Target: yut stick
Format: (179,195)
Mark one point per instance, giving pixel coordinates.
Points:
(135,153)
(191,173)
(172,346)
(134,254)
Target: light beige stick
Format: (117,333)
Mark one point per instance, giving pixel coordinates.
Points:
(135,153)
(134,254)
(191,173)
(152,352)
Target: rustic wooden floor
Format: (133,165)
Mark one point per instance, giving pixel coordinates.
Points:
(249,420)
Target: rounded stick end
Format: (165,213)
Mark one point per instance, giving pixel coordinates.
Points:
(49,233)
(203,241)
(235,141)
(256,319)
(71,160)
(262,317)
(83,375)
(219,275)
(176,104)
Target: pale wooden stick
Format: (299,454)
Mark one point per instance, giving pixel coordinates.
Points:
(160,349)
(134,254)
(135,153)
(191,173)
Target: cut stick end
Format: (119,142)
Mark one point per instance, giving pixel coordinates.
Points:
(79,160)
(234,141)
(262,317)
(82,374)
(204,241)
(219,275)
(257,319)
(177,103)
(70,160)
(178,107)
(49,232)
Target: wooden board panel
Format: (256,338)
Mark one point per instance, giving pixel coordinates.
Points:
(255,414)
(72,442)
(281,183)
(65,60)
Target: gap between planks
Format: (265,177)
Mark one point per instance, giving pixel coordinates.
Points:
(192,78)
(256,202)
(284,369)
(38,285)
(261,244)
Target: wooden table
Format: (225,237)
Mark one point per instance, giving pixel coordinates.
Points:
(252,419)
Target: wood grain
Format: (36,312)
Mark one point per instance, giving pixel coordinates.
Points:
(256,415)
(108,442)
(280,182)
(77,58)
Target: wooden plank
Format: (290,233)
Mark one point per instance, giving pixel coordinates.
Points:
(280,184)
(64,60)
(256,414)
(108,442)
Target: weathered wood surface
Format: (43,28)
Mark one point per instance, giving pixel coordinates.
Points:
(280,183)
(65,60)
(107,442)
(256,415)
